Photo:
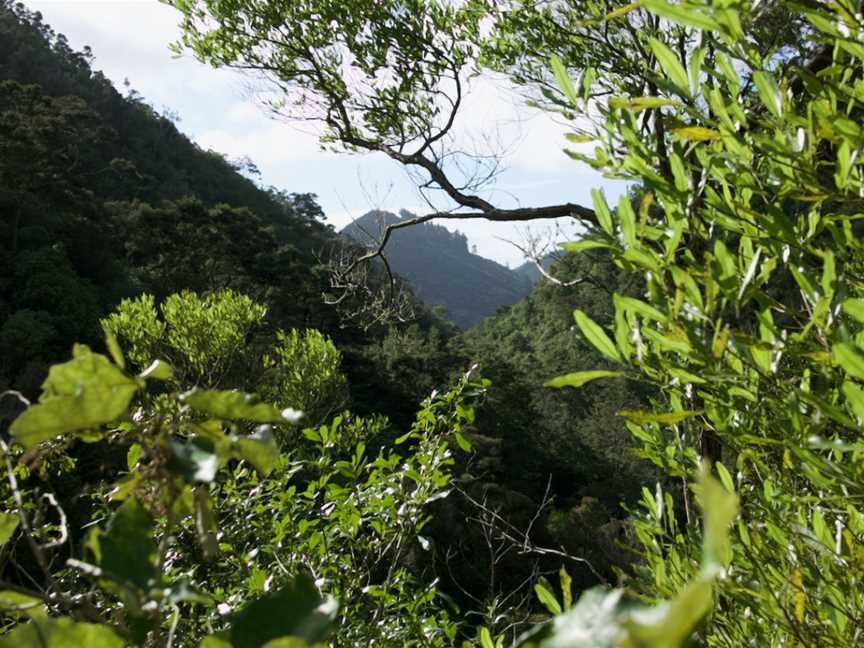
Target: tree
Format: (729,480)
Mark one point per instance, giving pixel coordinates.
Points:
(741,121)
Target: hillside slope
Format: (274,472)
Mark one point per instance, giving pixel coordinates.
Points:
(441,269)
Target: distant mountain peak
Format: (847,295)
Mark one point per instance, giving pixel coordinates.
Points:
(441,268)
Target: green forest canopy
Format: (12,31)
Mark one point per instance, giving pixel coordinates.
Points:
(737,308)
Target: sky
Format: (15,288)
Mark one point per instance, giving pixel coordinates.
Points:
(130,39)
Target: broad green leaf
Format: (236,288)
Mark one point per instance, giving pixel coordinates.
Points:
(665,418)
(133,455)
(8,524)
(158,369)
(235,405)
(850,358)
(126,550)
(596,336)
(195,460)
(86,392)
(17,604)
(259,449)
(579,378)
(61,633)
(671,66)
(548,599)
(296,610)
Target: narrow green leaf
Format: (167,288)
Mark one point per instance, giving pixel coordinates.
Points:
(564,80)
(665,418)
(579,378)
(854,308)
(547,599)
(671,66)
(596,336)
(604,217)
(697,133)
(486,638)
(769,93)
(850,358)
(585,244)
(855,397)
(688,16)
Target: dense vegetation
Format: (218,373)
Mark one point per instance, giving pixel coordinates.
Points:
(169,491)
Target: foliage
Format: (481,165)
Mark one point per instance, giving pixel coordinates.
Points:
(749,241)
(305,372)
(182,555)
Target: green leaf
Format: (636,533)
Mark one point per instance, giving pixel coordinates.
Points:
(548,599)
(564,80)
(855,397)
(296,610)
(769,92)
(579,378)
(689,16)
(259,449)
(8,524)
(854,308)
(850,358)
(86,392)
(697,133)
(158,369)
(720,507)
(566,588)
(195,461)
(486,638)
(633,305)
(463,442)
(596,336)
(235,405)
(115,350)
(61,633)
(586,244)
(671,66)
(126,550)
(601,209)
(17,604)
(641,417)
(205,523)
(133,455)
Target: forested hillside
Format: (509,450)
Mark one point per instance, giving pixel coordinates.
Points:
(223,425)
(441,269)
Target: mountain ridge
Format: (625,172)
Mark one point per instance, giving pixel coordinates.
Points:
(441,269)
